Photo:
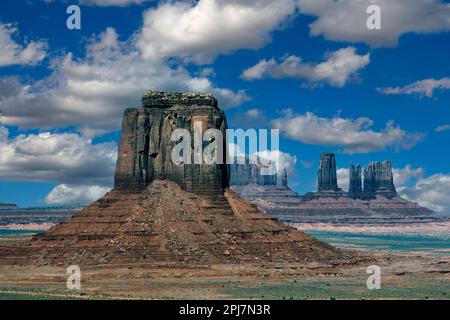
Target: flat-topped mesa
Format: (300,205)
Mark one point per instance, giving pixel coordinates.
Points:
(160,99)
(327,177)
(379,179)
(355,184)
(146,144)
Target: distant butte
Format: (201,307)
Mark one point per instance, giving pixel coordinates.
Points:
(374,202)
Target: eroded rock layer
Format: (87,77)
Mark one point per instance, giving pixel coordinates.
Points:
(378,203)
(327,177)
(164,224)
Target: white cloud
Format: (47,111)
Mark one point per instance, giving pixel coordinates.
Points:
(445,127)
(199,31)
(282,160)
(345,20)
(339,67)
(354,135)
(425,87)
(402,176)
(92,93)
(12,53)
(431,192)
(252,118)
(229,98)
(62,158)
(74,194)
(343,177)
(107,3)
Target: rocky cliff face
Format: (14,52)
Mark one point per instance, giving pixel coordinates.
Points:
(355,185)
(252,173)
(379,179)
(284,179)
(146,144)
(327,178)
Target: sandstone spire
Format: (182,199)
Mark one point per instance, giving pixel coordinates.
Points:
(327,173)
(379,179)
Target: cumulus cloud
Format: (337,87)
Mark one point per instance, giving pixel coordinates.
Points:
(252,118)
(201,30)
(431,192)
(282,160)
(338,68)
(75,194)
(345,20)
(343,177)
(424,88)
(13,53)
(402,176)
(108,3)
(353,135)
(91,93)
(445,127)
(64,158)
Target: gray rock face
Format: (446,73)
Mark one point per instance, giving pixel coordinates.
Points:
(355,186)
(284,179)
(145,146)
(252,173)
(244,174)
(327,173)
(379,179)
(7,206)
(378,203)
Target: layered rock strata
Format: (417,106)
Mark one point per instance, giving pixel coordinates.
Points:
(378,203)
(162,213)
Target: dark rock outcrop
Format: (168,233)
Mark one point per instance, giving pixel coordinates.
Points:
(378,203)
(327,177)
(146,144)
(379,180)
(284,179)
(355,184)
(8,206)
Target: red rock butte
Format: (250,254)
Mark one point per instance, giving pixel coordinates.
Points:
(163,213)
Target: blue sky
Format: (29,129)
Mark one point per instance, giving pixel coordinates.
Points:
(357,92)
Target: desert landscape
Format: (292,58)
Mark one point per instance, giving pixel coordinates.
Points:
(177,231)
